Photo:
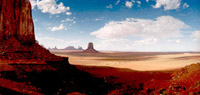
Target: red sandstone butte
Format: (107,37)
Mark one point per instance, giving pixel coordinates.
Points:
(16,21)
(17,39)
(90,49)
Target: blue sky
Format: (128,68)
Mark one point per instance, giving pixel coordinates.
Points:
(118,25)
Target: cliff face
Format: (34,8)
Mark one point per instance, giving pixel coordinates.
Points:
(16,21)
(28,68)
(17,39)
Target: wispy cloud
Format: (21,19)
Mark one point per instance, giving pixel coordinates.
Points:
(129,4)
(185,5)
(118,1)
(146,41)
(139,3)
(196,35)
(140,31)
(69,20)
(161,27)
(109,6)
(49,6)
(57,28)
(168,4)
(68,13)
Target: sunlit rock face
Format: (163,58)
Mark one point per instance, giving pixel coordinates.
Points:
(17,39)
(16,21)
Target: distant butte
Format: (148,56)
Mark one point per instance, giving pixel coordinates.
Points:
(90,49)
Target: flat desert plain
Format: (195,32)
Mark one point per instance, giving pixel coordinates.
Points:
(137,61)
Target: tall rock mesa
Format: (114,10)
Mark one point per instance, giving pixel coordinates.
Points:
(17,39)
(16,21)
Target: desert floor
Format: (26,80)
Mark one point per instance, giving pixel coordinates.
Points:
(138,61)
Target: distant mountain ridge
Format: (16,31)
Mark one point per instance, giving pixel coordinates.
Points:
(67,48)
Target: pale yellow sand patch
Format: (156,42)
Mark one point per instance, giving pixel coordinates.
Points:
(160,62)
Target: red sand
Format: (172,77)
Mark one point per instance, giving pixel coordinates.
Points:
(125,75)
(18,87)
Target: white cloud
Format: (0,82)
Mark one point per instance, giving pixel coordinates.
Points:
(69,20)
(60,27)
(129,4)
(68,13)
(49,6)
(196,35)
(174,41)
(161,27)
(138,32)
(33,3)
(146,41)
(139,2)
(109,6)
(178,41)
(185,5)
(112,44)
(98,19)
(52,42)
(147,1)
(168,4)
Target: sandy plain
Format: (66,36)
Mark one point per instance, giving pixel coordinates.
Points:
(138,61)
